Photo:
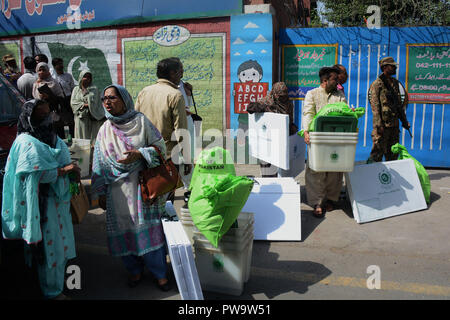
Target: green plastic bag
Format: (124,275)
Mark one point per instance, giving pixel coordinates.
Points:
(421,172)
(216,201)
(335,109)
(212,161)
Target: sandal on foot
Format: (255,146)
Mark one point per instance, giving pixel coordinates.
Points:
(134,283)
(163,287)
(319,211)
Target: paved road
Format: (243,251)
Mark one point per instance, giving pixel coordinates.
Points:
(411,253)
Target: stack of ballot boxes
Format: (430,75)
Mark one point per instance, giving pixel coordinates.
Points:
(226,268)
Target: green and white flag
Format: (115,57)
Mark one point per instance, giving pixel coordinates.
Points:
(78,58)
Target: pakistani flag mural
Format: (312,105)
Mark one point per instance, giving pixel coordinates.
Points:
(93,51)
(78,58)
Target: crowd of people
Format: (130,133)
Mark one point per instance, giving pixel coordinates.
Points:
(73,104)
(124,137)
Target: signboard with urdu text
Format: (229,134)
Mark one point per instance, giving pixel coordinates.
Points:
(301,64)
(428,73)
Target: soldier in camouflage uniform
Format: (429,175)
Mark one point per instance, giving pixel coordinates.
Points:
(11,71)
(387,108)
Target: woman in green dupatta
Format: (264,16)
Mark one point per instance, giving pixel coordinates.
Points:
(87,108)
(36,197)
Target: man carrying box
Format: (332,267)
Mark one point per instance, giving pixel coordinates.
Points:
(322,187)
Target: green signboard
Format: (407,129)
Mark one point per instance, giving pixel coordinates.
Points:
(301,65)
(428,73)
(202,58)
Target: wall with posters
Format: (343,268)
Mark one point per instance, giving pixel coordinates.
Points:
(203,57)
(424,68)
(129,55)
(224,82)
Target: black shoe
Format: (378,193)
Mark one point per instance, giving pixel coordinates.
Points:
(164,287)
(135,283)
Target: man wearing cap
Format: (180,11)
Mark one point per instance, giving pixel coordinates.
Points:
(387,108)
(11,70)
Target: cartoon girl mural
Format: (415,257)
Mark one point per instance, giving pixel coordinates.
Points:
(248,71)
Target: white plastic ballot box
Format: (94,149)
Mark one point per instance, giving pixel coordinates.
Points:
(384,189)
(275,203)
(182,260)
(268,138)
(297,148)
(80,151)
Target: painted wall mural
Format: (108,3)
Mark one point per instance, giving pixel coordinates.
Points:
(95,51)
(250,63)
(129,56)
(203,60)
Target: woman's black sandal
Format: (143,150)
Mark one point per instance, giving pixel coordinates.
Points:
(319,215)
(164,287)
(134,283)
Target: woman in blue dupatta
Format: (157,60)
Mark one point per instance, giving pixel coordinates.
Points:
(123,148)
(36,197)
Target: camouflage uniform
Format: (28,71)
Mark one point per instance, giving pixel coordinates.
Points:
(387,109)
(8,72)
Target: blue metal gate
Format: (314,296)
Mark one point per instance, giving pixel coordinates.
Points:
(359,50)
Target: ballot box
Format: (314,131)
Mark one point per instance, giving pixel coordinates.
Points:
(384,189)
(182,260)
(268,138)
(297,150)
(275,203)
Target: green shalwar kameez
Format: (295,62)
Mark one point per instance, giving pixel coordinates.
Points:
(31,163)
(87,120)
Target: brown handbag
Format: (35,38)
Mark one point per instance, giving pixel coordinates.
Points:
(79,205)
(159,180)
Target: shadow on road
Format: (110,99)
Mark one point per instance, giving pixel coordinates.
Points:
(271,277)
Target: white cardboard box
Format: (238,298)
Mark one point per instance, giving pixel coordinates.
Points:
(275,203)
(182,260)
(384,189)
(268,138)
